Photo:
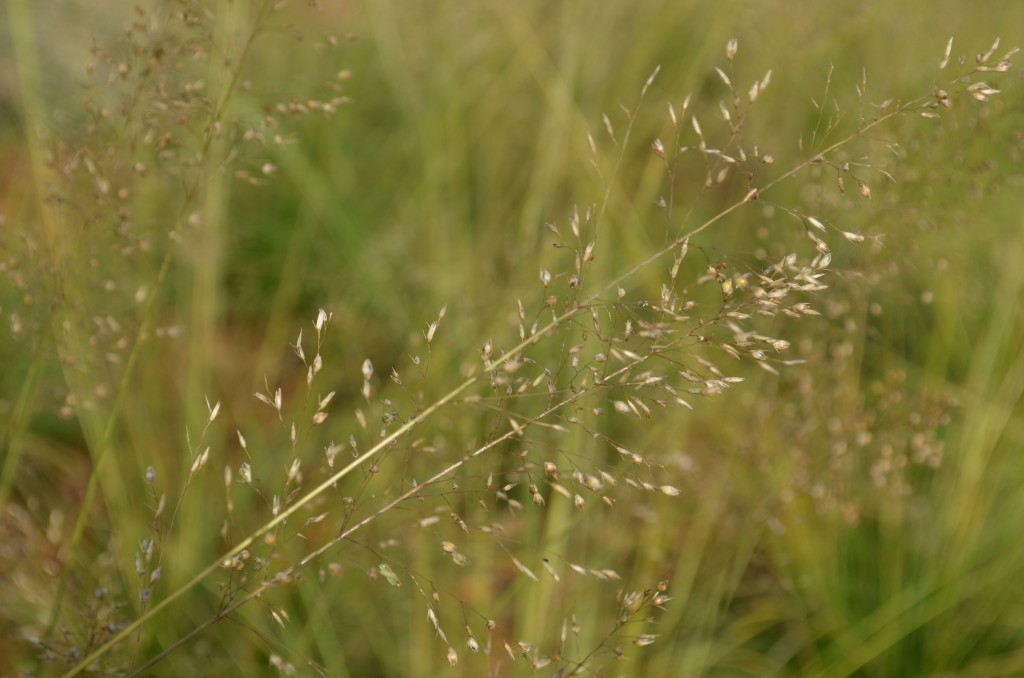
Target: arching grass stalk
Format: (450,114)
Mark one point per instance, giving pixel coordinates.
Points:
(451,396)
(346,533)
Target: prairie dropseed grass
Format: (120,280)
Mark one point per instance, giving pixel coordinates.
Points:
(683,396)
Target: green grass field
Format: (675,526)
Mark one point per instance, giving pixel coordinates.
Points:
(658,339)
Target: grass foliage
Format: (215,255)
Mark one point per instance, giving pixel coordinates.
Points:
(670,338)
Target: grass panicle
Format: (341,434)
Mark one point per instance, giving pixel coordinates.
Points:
(661,432)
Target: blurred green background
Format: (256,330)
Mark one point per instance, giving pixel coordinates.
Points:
(859,514)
